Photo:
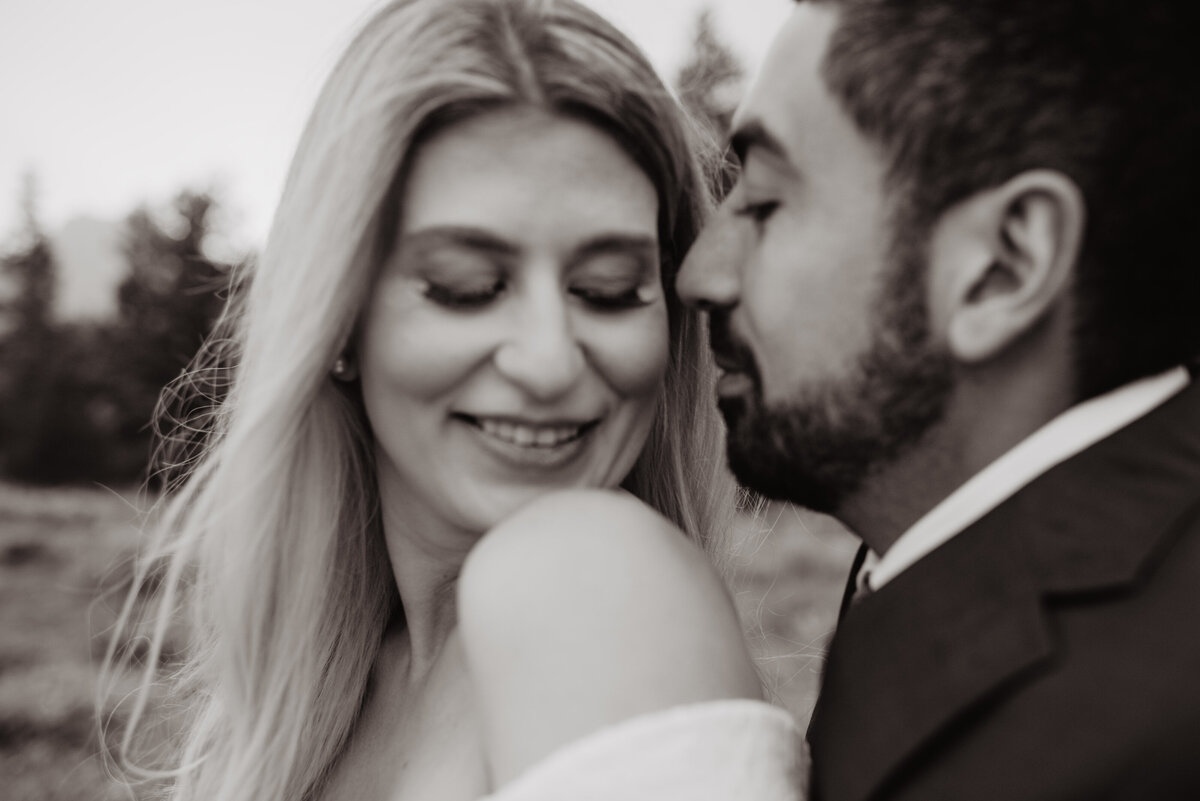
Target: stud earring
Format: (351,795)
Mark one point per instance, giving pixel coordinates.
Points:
(343,370)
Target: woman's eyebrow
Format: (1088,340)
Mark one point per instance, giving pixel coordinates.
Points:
(477,239)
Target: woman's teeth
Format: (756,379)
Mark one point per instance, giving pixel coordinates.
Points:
(529,436)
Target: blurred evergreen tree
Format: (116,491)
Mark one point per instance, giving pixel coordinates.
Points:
(27,340)
(710,84)
(166,308)
(77,399)
(29,272)
(710,80)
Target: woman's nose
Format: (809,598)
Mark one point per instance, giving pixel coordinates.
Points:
(542,355)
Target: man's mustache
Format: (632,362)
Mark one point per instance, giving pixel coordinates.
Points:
(731,354)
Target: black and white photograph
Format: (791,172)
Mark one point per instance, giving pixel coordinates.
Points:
(527,400)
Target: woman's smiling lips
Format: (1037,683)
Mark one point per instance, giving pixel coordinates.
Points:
(526,443)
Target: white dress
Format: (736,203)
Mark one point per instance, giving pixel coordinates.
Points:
(714,751)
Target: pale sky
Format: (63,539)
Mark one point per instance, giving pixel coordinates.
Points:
(112,103)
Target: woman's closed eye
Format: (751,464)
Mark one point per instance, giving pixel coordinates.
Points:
(461,278)
(464,295)
(614,296)
(616,281)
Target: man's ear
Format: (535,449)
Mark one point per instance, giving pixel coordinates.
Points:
(1003,259)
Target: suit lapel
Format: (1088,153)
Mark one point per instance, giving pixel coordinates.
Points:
(910,658)
(969,619)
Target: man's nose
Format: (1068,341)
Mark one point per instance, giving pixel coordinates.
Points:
(710,275)
(543,354)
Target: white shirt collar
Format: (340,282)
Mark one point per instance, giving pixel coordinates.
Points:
(1071,432)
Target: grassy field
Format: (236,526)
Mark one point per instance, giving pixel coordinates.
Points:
(59,589)
(63,556)
(792,568)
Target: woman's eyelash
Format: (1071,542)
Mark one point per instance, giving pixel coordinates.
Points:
(466,298)
(472,297)
(607,300)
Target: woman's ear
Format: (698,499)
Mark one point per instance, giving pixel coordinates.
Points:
(1003,259)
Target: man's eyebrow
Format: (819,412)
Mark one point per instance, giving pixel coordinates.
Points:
(457,236)
(753,133)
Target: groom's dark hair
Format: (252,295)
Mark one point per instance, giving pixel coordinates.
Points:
(964,94)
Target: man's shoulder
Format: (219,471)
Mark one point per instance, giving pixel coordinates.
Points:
(1084,694)
(1114,710)
(1057,634)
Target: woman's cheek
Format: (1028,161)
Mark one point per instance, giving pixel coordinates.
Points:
(632,351)
(425,351)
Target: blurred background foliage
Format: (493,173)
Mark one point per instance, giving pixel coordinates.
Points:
(77,397)
(710,81)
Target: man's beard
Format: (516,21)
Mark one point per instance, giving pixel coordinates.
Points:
(817,448)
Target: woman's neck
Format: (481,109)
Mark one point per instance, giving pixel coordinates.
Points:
(427,556)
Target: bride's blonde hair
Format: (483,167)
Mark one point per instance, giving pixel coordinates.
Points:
(270,540)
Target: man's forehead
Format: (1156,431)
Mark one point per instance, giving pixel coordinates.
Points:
(788,78)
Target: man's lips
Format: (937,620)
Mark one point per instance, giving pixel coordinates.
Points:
(734,383)
(728,364)
(730,354)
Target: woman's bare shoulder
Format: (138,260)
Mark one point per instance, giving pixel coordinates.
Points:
(559,533)
(587,556)
(585,608)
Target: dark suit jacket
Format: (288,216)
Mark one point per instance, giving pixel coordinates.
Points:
(1050,651)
